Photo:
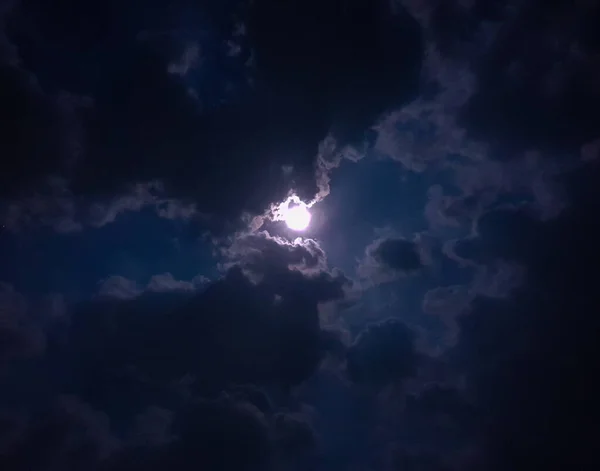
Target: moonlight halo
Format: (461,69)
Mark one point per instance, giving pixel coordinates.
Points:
(293,212)
(297,218)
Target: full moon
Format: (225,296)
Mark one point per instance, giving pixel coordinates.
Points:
(297,218)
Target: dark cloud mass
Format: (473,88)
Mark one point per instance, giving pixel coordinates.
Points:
(536,86)
(160,311)
(267,333)
(545,387)
(397,254)
(147,124)
(384,353)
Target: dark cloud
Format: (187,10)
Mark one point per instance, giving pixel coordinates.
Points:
(296,441)
(529,357)
(143,356)
(200,117)
(337,61)
(536,84)
(152,427)
(36,138)
(290,269)
(432,429)
(495,237)
(315,73)
(20,334)
(341,417)
(222,434)
(396,254)
(384,353)
(232,332)
(67,434)
(454,27)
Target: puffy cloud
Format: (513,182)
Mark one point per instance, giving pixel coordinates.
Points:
(119,287)
(488,104)
(234,331)
(145,359)
(297,268)
(262,253)
(167,283)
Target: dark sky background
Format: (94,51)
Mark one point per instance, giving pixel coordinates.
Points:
(440,313)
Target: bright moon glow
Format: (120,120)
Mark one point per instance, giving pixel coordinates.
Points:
(297,218)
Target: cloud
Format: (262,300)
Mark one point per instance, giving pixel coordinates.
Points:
(384,353)
(469,111)
(442,211)
(398,254)
(342,79)
(495,239)
(221,153)
(224,433)
(139,353)
(167,283)
(389,257)
(483,184)
(424,133)
(525,94)
(119,287)
(189,60)
(295,434)
(53,204)
(39,138)
(146,356)
(277,364)
(20,334)
(543,336)
(234,331)
(448,302)
(297,268)
(432,428)
(152,427)
(262,253)
(66,434)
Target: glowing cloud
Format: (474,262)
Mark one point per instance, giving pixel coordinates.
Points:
(294,213)
(297,218)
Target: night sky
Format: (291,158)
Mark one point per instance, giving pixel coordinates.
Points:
(299,235)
